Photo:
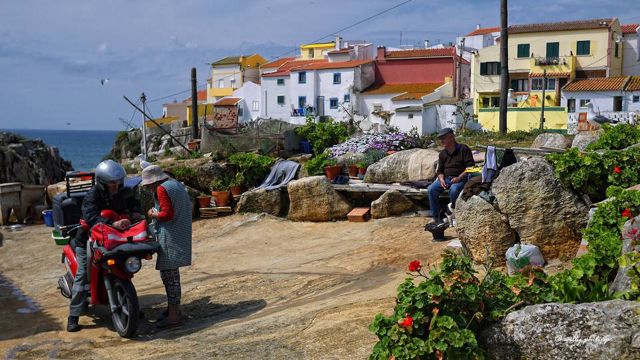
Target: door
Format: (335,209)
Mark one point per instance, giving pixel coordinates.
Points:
(320,106)
(571,105)
(617,103)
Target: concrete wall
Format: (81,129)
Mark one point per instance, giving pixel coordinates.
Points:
(270,91)
(250,93)
(329,90)
(524,118)
(631,56)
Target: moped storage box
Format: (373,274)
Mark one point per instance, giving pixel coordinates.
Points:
(67,208)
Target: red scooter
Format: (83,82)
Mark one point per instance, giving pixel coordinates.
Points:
(113,256)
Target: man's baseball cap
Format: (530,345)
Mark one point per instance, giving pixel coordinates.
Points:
(444,132)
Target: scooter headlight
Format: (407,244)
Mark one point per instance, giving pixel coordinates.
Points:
(133,264)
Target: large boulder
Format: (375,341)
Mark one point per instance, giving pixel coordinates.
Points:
(391,203)
(260,200)
(413,164)
(539,208)
(583,139)
(601,330)
(482,228)
(551,140)
(314,199)
(630,237)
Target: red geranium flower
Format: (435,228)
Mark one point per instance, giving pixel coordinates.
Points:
(415,265)
(406,322)
(633,231)
(627,213)
(617,170)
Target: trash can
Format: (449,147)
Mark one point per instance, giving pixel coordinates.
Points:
(47,216)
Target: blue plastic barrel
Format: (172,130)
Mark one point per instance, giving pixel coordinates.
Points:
(47,216)
(305,146)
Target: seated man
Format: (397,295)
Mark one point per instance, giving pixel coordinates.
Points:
(452,162)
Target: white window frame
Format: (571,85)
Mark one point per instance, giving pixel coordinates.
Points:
(220,83)
(255,105)
(539,82)
(583,102)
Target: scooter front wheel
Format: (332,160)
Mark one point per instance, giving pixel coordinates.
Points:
(126,312)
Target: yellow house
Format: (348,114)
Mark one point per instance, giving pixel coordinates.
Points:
(228,74)
(316,50)
(559,51)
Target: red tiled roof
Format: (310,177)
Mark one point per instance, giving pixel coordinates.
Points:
(202,96)
(484,31)
(286,67)
(406,91)
(341,51)
(420,53)
(227,102)
(634,84)
(629,28)
(332,65)
(562,26)
(553,74)
(598,84)
(276,63)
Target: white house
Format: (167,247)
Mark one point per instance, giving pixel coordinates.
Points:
(476,40)
(249,107)
(631,54)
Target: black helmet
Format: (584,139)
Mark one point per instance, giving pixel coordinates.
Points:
(109,171)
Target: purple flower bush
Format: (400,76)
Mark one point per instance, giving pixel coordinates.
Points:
(395,141)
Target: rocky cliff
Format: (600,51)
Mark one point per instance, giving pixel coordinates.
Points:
(30,161)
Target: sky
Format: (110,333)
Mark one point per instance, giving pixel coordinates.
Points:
(54,54)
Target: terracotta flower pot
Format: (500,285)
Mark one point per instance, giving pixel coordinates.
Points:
(222,197)
(204,201)
(237,190)
(362,171)
(332,171)
(353,170)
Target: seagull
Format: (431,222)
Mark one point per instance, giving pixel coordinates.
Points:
(104,81)
(597,119)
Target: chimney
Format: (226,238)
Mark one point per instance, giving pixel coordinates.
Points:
(426,44)
(338,42)
(477,26)
(381,52)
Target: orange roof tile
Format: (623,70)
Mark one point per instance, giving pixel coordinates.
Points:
(634,84)
(276,63)
(484,31)
(598,84)
(286,67)
(332,65)
(202,96)
(341,51)
(552,74)
(420,53)
(406,91)
(629,28)
(562,26)
(227,102)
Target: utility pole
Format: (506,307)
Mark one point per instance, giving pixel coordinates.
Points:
(194,104)
(544,87)
(504,65)
(143,99)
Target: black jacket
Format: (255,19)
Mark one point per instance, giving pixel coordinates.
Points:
(124,202)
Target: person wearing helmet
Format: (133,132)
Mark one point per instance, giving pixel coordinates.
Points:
(108,193)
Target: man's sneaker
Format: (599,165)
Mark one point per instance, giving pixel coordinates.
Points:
(450,208)
(72,324)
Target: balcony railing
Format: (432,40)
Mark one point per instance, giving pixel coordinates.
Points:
(547,61)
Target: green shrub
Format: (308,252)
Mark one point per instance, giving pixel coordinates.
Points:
(221,183)
(185,174)
(616,137)
(316,165)
(253,167)
(323,135)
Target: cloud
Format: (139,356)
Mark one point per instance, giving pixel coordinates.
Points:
(103,48)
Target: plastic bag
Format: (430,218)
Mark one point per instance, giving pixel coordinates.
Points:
(521,255)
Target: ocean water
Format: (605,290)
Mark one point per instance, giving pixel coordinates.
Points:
(84,148)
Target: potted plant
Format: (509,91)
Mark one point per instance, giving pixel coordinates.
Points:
(362,167)
(332,170)
(236,185)
(352,166)
(204,201)
(220,190)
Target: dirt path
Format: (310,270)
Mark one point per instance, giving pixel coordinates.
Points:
(259,288)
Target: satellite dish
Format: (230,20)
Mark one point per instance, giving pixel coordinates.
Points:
(365,125)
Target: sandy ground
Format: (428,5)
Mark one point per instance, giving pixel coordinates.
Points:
(259,288)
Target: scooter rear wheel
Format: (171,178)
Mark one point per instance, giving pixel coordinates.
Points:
(126,314)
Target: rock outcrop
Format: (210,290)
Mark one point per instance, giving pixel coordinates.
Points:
(391,203)
(30,161)
(272,202)
(314,199)
(602,330)
(482,228)
(127,145)
(413,164)
(583,139)
(539,208)
(551,140)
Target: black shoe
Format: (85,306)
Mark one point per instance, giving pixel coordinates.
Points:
(72,324)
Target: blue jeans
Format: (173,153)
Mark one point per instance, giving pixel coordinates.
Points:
(435,190)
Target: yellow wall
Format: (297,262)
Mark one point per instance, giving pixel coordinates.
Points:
(525,118)
(201,109)
(161,121)
(319,49)
(253,61)
(220,92)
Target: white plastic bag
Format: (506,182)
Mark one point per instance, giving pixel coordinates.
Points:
(521,255)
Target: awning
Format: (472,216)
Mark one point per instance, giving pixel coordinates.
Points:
(551,74)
